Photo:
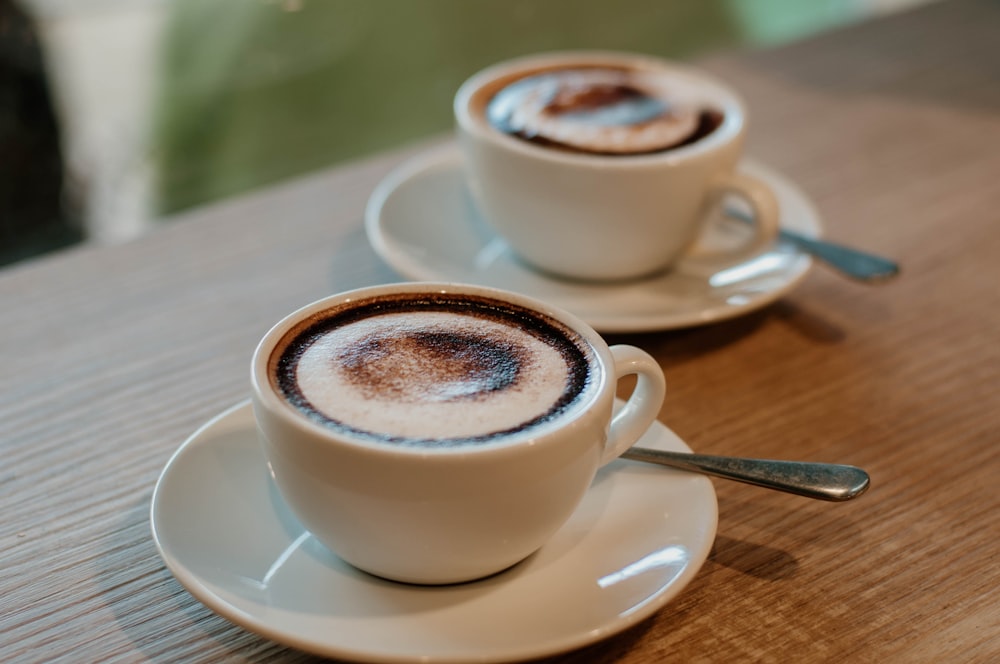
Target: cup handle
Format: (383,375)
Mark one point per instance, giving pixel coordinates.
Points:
(642,407)
(763,204)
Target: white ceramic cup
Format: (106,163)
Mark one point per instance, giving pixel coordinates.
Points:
(432,515)
(600,217)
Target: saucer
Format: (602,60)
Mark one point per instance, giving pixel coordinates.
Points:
(639,536)
(421,221)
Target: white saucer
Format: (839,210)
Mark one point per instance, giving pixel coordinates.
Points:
(640,535)
(421,221)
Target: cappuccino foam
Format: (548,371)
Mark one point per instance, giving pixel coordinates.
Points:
(427,369)
(600,110)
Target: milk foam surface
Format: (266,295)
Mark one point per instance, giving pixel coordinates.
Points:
(600,110)
(419,375)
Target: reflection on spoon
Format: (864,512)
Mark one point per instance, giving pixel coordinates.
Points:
(824,481)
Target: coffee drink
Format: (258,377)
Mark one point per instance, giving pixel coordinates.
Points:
(439,432)
(432,369)
(600,110)
(602,166)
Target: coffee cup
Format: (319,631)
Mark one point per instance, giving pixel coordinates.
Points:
(604,166)
(438,433)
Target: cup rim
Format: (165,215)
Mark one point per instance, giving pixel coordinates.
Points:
(733,124)
(267,398)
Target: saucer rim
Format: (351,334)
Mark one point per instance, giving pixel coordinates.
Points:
(235,418)
(448,157)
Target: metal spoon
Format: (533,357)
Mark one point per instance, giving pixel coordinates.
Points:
(854,263)
(825,481)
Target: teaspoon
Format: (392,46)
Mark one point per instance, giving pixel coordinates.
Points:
(824,481)
(853,263)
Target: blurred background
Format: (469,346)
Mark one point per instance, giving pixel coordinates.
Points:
(115,114)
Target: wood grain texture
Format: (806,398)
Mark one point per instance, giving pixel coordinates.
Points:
(112,356)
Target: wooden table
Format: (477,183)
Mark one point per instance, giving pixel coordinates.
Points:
(111,356)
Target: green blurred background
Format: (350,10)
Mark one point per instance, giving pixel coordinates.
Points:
(115,114)
(254,92)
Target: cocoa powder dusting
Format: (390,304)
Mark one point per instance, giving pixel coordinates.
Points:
(431,365)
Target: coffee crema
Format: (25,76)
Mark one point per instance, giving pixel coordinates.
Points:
(599,110)
(431,369)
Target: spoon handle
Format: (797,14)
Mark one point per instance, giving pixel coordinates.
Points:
(824,481)
(854,263)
